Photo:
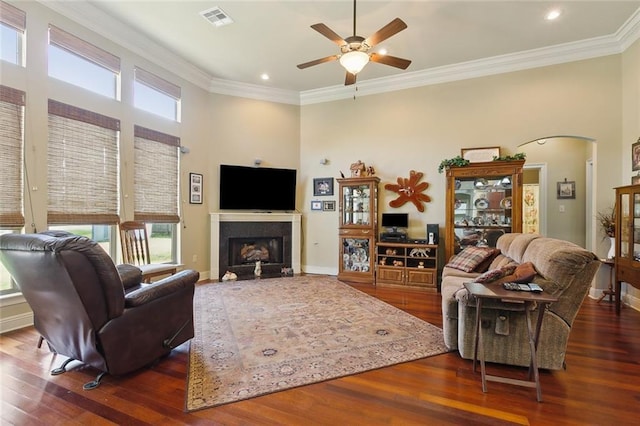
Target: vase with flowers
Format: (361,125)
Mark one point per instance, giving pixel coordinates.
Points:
(607,221)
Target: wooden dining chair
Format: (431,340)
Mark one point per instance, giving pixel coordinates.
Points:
(135,251)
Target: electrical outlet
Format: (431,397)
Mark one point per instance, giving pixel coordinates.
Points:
(194,259)
(561,208)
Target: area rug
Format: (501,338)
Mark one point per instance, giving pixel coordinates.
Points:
(262,336)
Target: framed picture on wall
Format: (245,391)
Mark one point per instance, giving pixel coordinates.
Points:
(322,186)
(195,188)
(635,156)
(479,155)
(316,205)
(566,190)
(329,206)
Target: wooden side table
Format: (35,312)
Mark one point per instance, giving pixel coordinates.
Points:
(609,291)
(529,299)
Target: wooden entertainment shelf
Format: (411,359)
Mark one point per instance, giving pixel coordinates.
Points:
(407,264)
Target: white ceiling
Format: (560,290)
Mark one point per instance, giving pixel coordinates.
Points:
(442,38)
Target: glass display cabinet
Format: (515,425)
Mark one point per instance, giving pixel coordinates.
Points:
(627,237)
(358,228)
(484,201)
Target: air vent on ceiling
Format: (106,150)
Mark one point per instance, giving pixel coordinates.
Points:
(216,16)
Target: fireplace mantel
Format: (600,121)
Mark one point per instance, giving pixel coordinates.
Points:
(216,218)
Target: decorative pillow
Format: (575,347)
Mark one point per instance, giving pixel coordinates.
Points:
(469,258)
(523,273)
(495,274)
(485,264)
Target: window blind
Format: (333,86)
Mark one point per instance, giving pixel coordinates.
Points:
(156,176)
(155,82)
(82,48)
(13,17)
(82,166)
(12,103)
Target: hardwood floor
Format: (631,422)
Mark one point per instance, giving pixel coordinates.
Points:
(601,385)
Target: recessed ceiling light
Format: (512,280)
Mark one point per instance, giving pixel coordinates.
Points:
(553,14)
(265,76)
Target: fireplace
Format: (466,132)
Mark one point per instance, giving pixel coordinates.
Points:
(238,240)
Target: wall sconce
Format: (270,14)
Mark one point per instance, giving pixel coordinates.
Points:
(324,161)
(257,162)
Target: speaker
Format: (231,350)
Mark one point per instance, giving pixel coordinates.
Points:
(433,233)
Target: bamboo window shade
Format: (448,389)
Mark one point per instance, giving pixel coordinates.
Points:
(12,103)
(82,166)
(77,46)
(13,17)
(156,171)
(158,83)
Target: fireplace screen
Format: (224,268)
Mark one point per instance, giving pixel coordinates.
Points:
(244,251)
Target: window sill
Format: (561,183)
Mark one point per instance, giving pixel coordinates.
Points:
(11,299)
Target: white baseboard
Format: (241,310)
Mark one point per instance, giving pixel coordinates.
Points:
(16,322)
(319,270)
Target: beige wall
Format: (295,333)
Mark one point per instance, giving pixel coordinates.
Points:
(394,132)
(415,129)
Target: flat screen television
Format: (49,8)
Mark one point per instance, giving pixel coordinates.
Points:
(257,188)
(395,220)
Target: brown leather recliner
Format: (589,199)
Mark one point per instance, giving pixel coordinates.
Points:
(89,310)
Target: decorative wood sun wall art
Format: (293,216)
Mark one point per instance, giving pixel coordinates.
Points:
(409,189)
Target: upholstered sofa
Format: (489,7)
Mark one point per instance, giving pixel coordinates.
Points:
(561,268)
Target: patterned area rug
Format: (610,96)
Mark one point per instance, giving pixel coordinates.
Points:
(263,336)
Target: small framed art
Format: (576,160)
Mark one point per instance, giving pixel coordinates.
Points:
(322,186)
(635,180)
(479,155)
(195,188)
(316,205)
(635,156)
(329,206)
(566,190)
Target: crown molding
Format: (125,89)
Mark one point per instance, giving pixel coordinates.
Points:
(253,91)
(88,15)
(535,58)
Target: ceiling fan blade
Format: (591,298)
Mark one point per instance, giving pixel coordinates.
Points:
(318,61)
(390,60)
(387,31)
(349,79)
(328,33)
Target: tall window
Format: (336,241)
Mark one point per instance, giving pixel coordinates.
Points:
(156,95)
(82,168)
(12,26)
(75,61)
(156,189)
(12,103)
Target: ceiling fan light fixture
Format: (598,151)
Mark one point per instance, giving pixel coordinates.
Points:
(354,61)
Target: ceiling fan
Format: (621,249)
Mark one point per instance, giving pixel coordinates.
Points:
(354,50)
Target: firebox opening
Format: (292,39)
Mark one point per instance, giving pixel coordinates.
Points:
(243,251)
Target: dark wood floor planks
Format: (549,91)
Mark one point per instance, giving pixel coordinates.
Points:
(601,385)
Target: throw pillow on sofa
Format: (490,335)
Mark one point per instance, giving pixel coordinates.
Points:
(469,258)
(495,274)
(523,273)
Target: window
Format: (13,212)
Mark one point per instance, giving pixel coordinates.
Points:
(156,189)
(11,164)
(82,167)
(101,234)
(12,26)
(156,95)
(12,103)
(82,64)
